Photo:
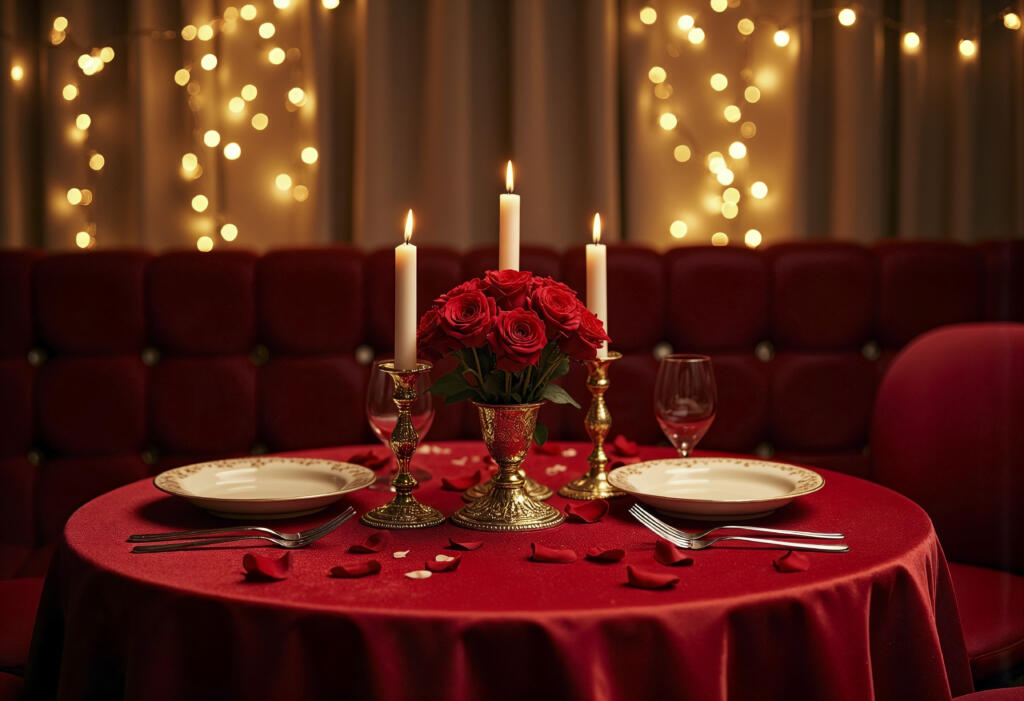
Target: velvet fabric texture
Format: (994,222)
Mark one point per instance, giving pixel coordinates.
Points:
(877,622)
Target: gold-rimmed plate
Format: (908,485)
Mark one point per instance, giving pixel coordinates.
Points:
(715,488)
(264,487)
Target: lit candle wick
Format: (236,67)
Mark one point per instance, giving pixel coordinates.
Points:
(597,228)
(408,227)
(508,177)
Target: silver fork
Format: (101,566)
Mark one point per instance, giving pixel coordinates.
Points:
(295,540)
(669,534)
(185,535)
(636,508)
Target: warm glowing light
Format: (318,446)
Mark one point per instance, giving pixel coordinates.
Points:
(182,76)
(737,149)
(267,30)
(725,176)
(236,104)
(745,26)
(695,35)
(1011,20)
(57,37)
(719,82)
(967,48)
(204,244)
(188,32)
(230,13)
(208,62)
(752,238)
(204,33)
(107,54)
(211,138)
(259,121)
(86,196)
(60,24)
(719,5)
(83,121)
(731,194)
(74,196)
(751,94)
(678,228)
(283,181)
(189,162)
(648,15)
(758,190)
(911,42)
(97,161)
(281,4)
(663,91)
(330,4)
(682,153)
(595,230)
(300,193)
(248,12)
(232,151)
(730,210)
(715,162)
(200,203)
(193,89)
(509,180)
(276,55)
(296,96)
(309,155)
(17,72)
(70,92)
(657,74)
(83,239)
(249,92)
(732,114)
(408,227)
(719,239)
(748,130)
(847,17)
(229,232)
(685,22)
(781,38)
(668,121)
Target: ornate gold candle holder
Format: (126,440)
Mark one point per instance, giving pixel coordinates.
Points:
(594,484)
(403,511)
(535,489)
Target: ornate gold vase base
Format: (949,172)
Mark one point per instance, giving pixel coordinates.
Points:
(507,431)
(535,489)
(594,484)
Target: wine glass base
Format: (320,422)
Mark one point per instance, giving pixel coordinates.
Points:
(383,482)
(396,516)
(588,488)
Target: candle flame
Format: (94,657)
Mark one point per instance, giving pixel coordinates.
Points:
(408,226)
(597,228)
(508,177)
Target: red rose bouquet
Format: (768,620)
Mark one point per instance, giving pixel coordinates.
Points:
(513,334)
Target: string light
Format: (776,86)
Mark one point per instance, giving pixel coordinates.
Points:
(758,190)
(657,74)
(17,72)
(847,17)
(107,54)
(1011,20)
(283,181)
(204,33)
(189,162)
(719,5)
(74,196)
(208,62)
(725,176)
(678,229)
(248,12)
(911,42)
(300,193)
(188,32)
(309,155)
(737,149)
(60,24)
(748,130)
(70,92)
(745,26)
(730,210)
(249,92)
(83,239)
(297,96)
(752,238)
(648,15)
(668,121)
(781,38)
(732,114)
(752,94)
(211,138)
(967,48)
(276,55)
(266,30)
(229,232)
(259,121)
(685,22)
(719,82)
(232,151)
(182,76)
(681,153)
(200,203)
(719,238)
(695,35)
(282,4)
(97,161)
(236,104)
(731,194)
(204,244)
(86,196)
(83,121)
(331,4)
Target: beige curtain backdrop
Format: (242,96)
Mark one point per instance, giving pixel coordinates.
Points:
(419,103)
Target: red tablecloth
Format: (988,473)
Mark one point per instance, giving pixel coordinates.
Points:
(879,622)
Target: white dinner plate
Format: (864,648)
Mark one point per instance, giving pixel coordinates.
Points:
(264,487)
(715,488)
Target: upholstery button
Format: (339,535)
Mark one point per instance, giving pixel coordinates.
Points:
(150,356)
(36,357)
(764,351)
(662,349)
(871,350)
(764,450)
(150,456)
(364,355)
(34,457)
(259,355)
(258,449)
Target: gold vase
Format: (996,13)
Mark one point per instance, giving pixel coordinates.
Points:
(507,431)
(535,489)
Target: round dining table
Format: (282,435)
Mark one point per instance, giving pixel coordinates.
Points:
(877,622)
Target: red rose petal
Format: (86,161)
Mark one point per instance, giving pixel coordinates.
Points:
(606,554)
(542,553)
(549,448)
(792,562)
(461,483)
(355,568)
(369,459)
(447,566)
(668,554)
(266,569)
(644,579)
(624,446)
(373,544)
(464,544)
(587,511)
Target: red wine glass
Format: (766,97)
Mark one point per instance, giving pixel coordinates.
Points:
(685,399)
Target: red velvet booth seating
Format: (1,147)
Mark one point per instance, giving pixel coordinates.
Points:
(117,365)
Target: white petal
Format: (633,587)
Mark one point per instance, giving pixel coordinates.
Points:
(399,554)
(418,574)
(443,558)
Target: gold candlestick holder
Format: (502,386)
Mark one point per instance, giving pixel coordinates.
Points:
(403,511)
(594,484)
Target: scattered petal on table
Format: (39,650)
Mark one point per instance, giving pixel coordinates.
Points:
(259,568)
(460,461)
(549,448)
(445,558)
(668,554)
(462,482)
(449,565)
(645,579)
(570,453)
(369,459)
(355,568)
(555,469)
(542,553)
(418,574)
(599,554)
(373,544)
(587,511)
(792,562)
(464,544)
(625,447)
(399,554)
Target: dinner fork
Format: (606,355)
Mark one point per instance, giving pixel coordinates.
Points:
(185,535)
(299,540)
(688,543)
(758,529)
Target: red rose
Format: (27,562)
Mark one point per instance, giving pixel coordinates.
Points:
(467,317)
(517,339)
(432,342)
(510,288)
(467,286)
(558,307)
(583,344)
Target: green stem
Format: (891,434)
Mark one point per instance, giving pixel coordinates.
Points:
(544,378)
(479,373)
